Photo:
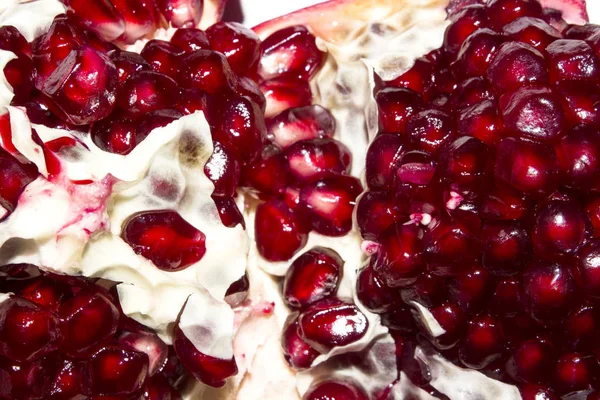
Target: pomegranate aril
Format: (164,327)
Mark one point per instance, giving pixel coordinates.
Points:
(163,57)
(471,289)
(116,370)
(532,31)
(483,342)
(14,177)
(158,388)
(471,91)
(207,369)
(153,120)
(205,70)
(248,88)
(20,75)
(548,292)
(579,158)
(99,16)
(376,211)
(237,292)
(300,123)
(415,169)
(418,78)
(580,327)
(239,44)
(314,159)
(330,323)
(295,350)
(374,294)
(464,162)
(502,12)
(574,372)
(506,299)
(192,100)
(115,134)
(428,290)
(241,128)
(127,63)
(506,248)
(528,167)
(27,331)
(537,392)
(83,87)
(46,292)
(515,65)
(149,343)
(482,121)
(532,361)
(290,52)
(451,319)
(463,24)
(396,106)
(313,276)
(335,390)
(164,238)
(279,231)
(383,156)
(223,169)
(285,93)
(477,52)
(588,268)
(190,39)
(429,129)
(26,380)
(573,60)
(580,102)
(502,203)
(399,260)
(592,208)
(12,40)
(72,380)
(269,174)
(181,13)
(140,18)
(329,204)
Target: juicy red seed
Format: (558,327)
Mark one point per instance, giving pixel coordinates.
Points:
(192,100)
(335,390)
(581,325)
(248,88)
(205,70)
(592,209)
(579,157)
(428,129)
(26,380)
(295,350)
(164,238)
(329,203)
(464,161)
(470,92)
(207,369)
(418,78)
(313,159)
(181,13)
(482,121)
(153,120)
(416,168)
(285,93)
(190,39)
(301,123)
(269,174)
(149,343)
(548,291)
(223,169)
(14,177)
(12,40)
(506,299)
(528,167)
(290,52)
(580,101)
(463,24)
(396,106)
(237,292)
(229,212)
(574,372)
(313,276)
(241,128)
(400,259)
(140,18)
(502,12)
(572,60)
(83,87)
(115,134)
(239,44)
(532,361)
(127,63)
(471,290)
(163,57)
(279,231)
(27,331)
(383,156)
(559,228)
(20,76)
(116,370)
(376,211)
(483,342)
(502,203)
(100,17)
(158,388)
(506,248)
(451,318)
(477,52)
(537,392)
(146,91)
(373,293)
(532,31)
(88,309)
(588,268)
(72,379)
(45,292)
(330,323)
(515,65)
(428,290)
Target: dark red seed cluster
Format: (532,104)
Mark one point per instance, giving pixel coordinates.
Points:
(484,205)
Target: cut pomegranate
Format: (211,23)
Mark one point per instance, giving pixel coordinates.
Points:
(314,159)
(239,44)
(181,13)
(115,370)
(284,93)
(115,134)
(279,231)
(313,276)
(164,238)
(296,351)
(373,293)
(223,169)
(396,106)
(190,39)
(205,70)
(506,248)
(572,60)
(301,123)
(338,390)
(269,174)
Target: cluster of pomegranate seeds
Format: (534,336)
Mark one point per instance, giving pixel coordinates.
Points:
(66,338)
(483,199)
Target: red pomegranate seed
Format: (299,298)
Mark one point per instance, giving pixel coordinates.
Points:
(581,325)
(269,174)
(481,120)
(99,16)
(502,203)
(140,17)
(579,158)
(418,78)
(20,75)
(451,319)
(314,159)
(158,388)
(285,93)
(471,289)
(329,204)
(115,134)
(483,342)
(375,212)
(470,92)
(127,63)
(153,120)
(592,209)
(532,361)
(537,392)
(14,177)
(429,129)
(300,123)
(335,389)
(239,44)
(115,370)
(477,52)
(374,294)
(400,259)
(149,343)
(428,290)
(331,322)
(549,292)
(181,13)
(313,276)
(26,380)
(279,231)
(72,380)
(46,292)
(580,102)
(290,52)
(502,12)
(164,238)
(238,291)
(463,24)
(516,64)
(295,350)
(506,299)
(464,162)
(532,31)
(27,331)
(190,39)
(12,40)
(383,156)
(163,57)
(83,87)
(248,88)
(396,106)
(223,169)
(574,372)
(570,59)
(205,70)
(209,370)
(588,268)
(241,128)
(506,248)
